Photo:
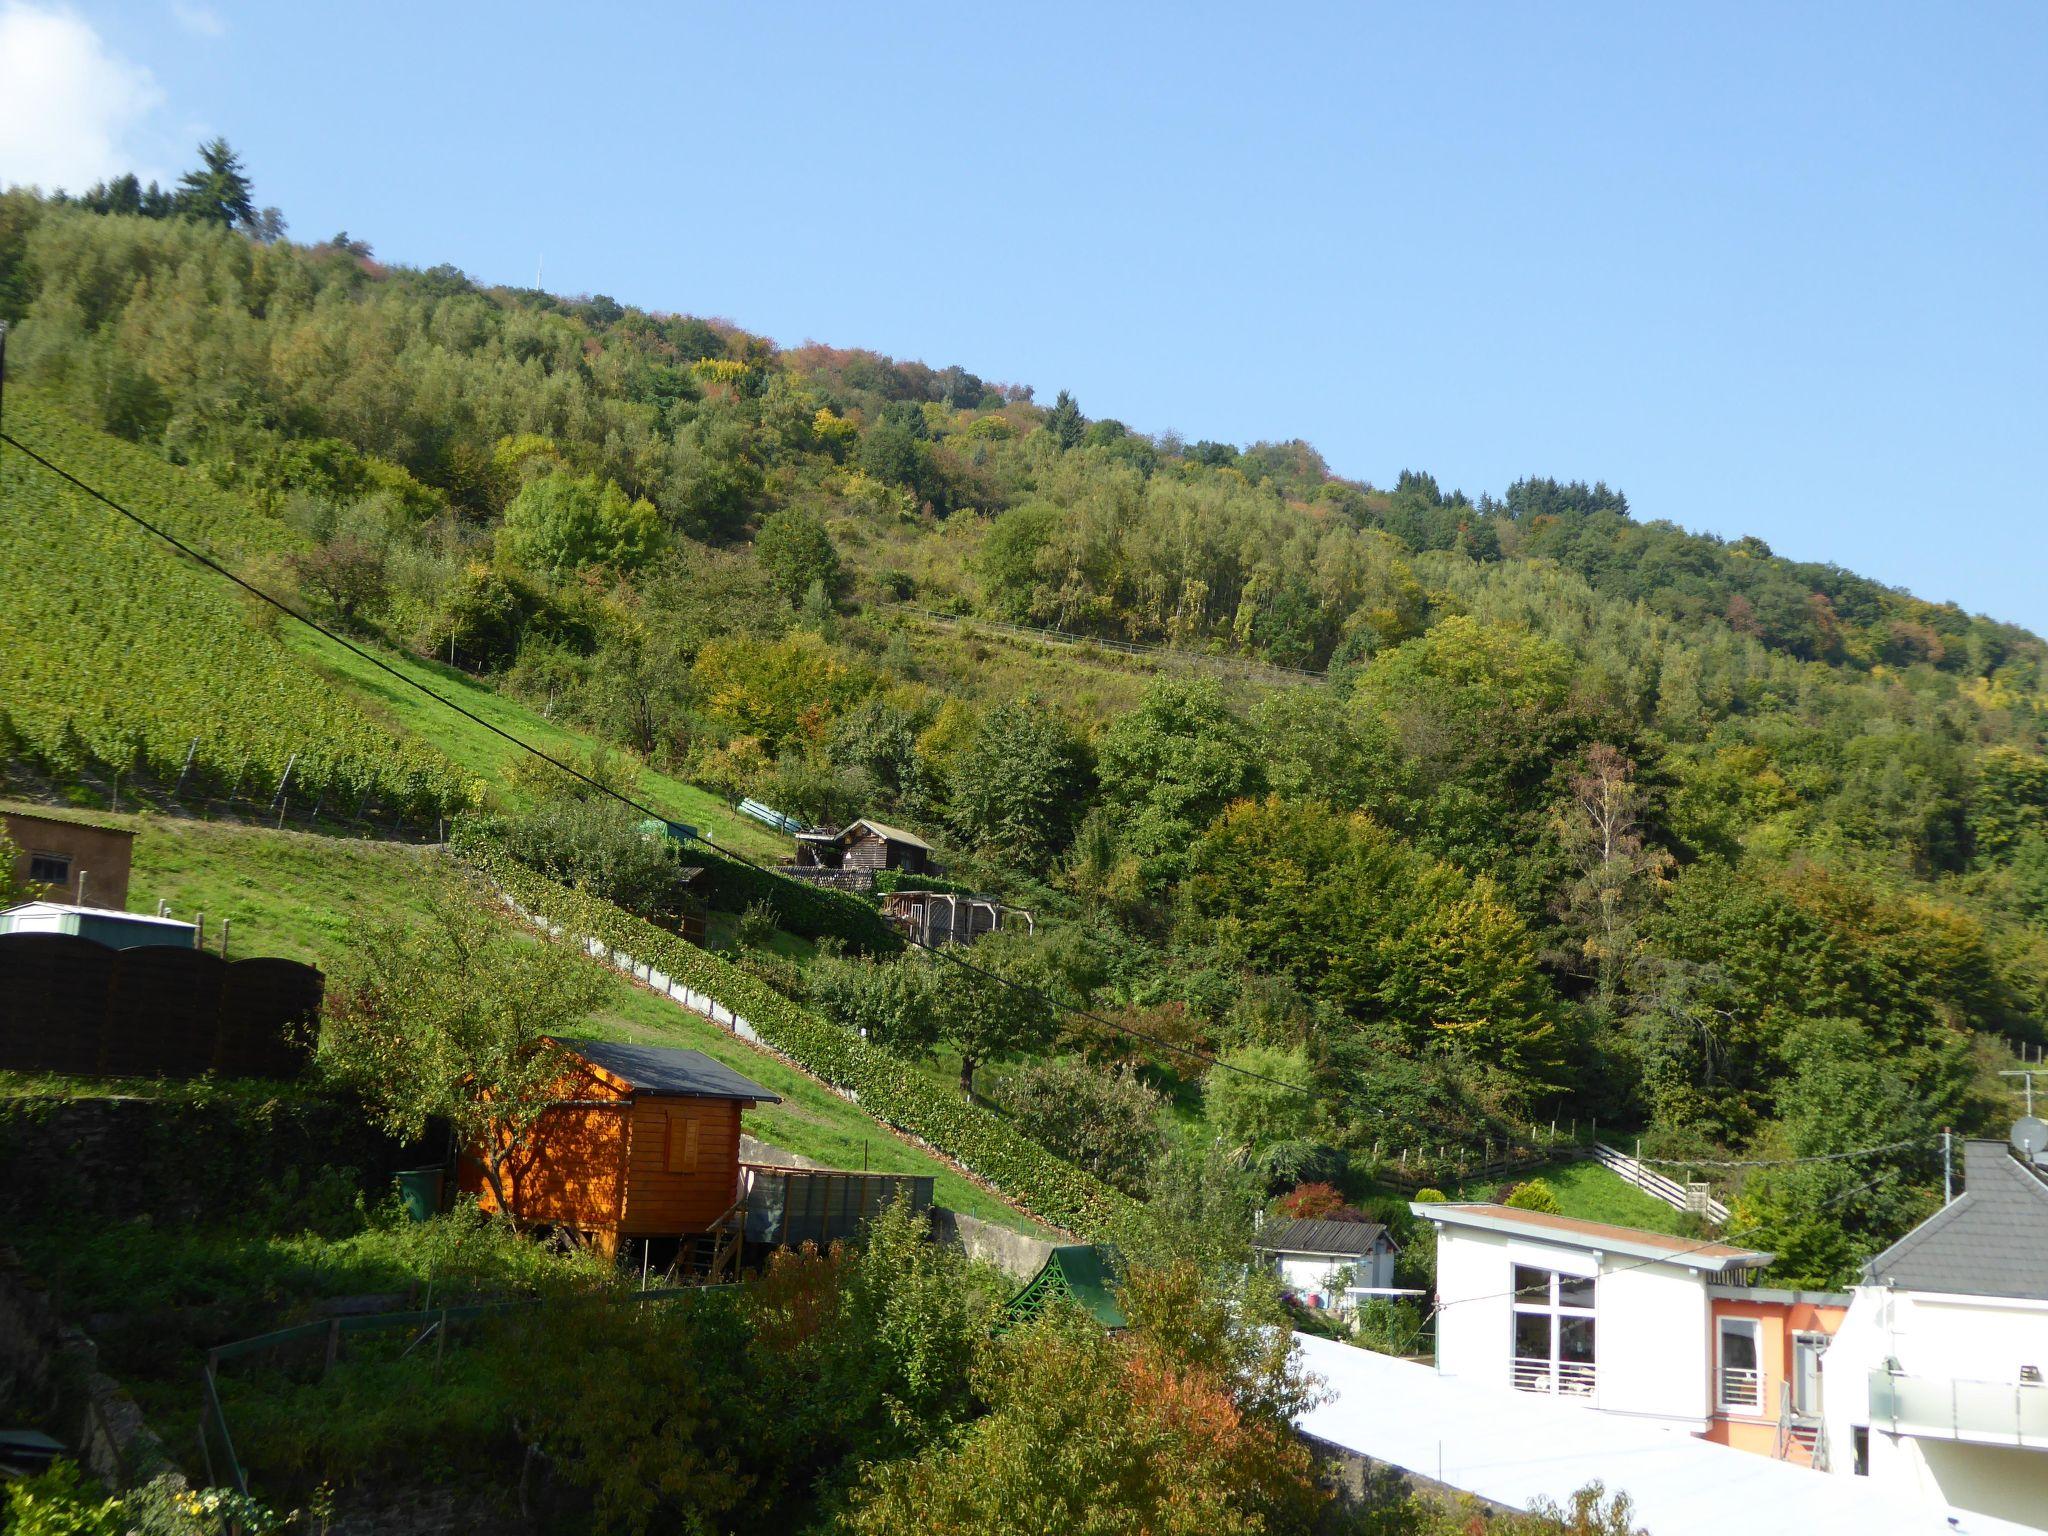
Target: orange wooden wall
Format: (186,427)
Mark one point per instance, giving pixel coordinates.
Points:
(652,1166)
(684,1165)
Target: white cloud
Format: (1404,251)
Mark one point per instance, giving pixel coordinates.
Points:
(69,109)
(200,20)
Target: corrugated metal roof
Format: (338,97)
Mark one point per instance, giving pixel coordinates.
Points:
(1992,1240)
(669,1069)
(1354,1238)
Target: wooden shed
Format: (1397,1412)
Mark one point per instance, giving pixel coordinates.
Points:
(865,845)
(644,1144)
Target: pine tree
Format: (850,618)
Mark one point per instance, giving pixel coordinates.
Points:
(1065,422)
(219,191)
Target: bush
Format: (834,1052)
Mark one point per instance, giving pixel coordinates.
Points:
(1535,1195)
(1106,1122)
(1428,1196)
(757,926)
(1315,1201)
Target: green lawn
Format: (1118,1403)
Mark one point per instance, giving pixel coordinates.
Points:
(302,896)
(1591,1193)
(486,756)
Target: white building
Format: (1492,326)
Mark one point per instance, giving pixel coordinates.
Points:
(1615,1318)
(1331,1263)
(1934,1383)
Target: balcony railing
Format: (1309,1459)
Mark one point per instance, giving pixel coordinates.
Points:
(1571,1379)
(1742,1388)
(1945,1408)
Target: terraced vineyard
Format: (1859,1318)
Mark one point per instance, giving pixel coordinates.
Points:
(118,656)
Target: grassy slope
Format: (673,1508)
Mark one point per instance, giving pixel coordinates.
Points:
(488,757)
(1591,1193)
(301,896)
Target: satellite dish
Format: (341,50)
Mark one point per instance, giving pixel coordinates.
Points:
(2030,1136)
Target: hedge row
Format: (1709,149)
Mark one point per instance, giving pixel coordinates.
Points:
(884,1085)
(815,912)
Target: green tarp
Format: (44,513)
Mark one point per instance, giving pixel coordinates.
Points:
(1084,1274)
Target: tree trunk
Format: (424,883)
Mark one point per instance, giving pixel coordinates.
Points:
(967,1078)
(494,1177)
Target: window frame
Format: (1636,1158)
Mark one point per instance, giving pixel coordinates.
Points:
(1754,1328)
(46,858)
(1555,1312)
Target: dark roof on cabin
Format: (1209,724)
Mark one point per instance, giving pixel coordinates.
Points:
(1346,1237)
(668,1069)
(1991,1240)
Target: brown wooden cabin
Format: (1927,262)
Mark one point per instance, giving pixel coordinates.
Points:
(645,1144)
(865,845)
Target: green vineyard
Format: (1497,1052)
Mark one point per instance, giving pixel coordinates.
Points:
(119,656)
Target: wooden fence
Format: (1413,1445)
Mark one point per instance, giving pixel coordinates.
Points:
(1680,1197)
(73,1005)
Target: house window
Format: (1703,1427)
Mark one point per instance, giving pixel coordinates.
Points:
(1553,1332)
(682,1143)
(49,868)
(1742,1375)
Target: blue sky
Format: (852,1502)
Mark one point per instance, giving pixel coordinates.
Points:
(1772,270)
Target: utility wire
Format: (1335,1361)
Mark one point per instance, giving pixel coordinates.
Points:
(1722,1241)
(209,563)
(1783,1162)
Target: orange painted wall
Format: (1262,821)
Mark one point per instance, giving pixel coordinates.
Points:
(1780,1321)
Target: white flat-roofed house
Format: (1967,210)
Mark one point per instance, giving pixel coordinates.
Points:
(1936,1383)
(1325,1262)
(1613,1318)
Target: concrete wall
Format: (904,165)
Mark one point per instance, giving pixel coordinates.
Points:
(1939,1338)
(50,1373)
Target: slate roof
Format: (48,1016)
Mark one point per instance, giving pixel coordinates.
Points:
(1991,1240)
(667,1069)
(1353,1239)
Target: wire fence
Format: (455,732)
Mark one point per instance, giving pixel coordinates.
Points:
(332,1335)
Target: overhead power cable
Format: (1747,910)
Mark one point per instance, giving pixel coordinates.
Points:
(1784,1162)
(209,563)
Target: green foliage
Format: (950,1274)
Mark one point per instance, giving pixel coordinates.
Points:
(454,1020)
(1019,788)
(1347,913)
(1105,1122)
(118,656)
(1170,767)
(1267,1100)
(588,841)
(797,553)
(887,1087)
(1535,1195)
(561,523)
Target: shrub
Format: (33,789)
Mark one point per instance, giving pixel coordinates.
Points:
(757,926)
(1106,1122)
(1311,1202)
(1535,1195)
(1428,1196)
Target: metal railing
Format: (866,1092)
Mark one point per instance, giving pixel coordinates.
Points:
(1950,1408)
(1571,1378)
(1742,1387)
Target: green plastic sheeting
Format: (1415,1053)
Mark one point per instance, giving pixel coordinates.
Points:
(1084,1275)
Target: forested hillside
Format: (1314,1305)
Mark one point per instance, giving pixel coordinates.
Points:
(1585,817)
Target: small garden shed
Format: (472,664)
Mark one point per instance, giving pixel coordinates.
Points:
(644,1143)
(865,845)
